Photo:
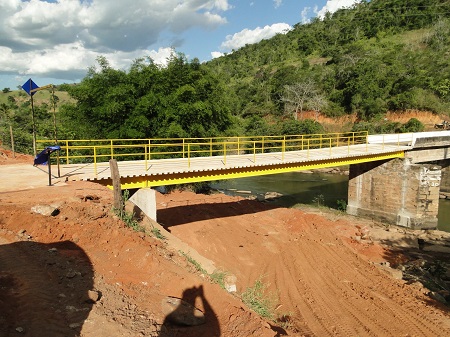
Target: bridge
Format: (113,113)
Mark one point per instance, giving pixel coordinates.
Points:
(156,162)
(373,160)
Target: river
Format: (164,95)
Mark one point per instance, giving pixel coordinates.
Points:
(308,188)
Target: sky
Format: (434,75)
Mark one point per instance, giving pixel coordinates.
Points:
(56,41)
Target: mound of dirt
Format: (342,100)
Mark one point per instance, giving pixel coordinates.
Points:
(9,157)
(329,276)
(81,271)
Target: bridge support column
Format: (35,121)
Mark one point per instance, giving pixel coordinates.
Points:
(395,192)
(145,199)
(445,179)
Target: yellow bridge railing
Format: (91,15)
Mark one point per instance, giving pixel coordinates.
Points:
(101,150)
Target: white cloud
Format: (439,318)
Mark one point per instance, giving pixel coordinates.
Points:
(248,36)
(333,5)
(277,3)
(41,37)
(162,55)
(216,54)
(72,57)
(304,15)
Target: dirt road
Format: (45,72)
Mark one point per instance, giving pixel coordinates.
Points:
(322,283)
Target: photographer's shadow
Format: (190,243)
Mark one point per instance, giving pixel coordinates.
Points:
(188,321)
(45,289)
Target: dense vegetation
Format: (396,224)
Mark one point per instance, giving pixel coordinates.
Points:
(378,56)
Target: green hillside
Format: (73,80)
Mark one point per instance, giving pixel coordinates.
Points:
(375,57)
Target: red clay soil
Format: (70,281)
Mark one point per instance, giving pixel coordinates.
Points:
(83,272)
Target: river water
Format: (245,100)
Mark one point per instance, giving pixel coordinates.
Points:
(308,188)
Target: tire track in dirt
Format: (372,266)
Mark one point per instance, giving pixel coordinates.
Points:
(326,287)
(306,263)
(319,304)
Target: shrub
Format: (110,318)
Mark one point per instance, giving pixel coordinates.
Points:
(256,299)
(413,125)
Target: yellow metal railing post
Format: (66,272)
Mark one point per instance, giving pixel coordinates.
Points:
(67,152)
(262,144)
(367,140)
(95,161)
(188,148)
(254,152)
(238,146)
(283,148)
(330,146)
(145,156)
(308,150)
(210,147)
(112,149)
(188,153)
(149,149)
(348,145)
(225,153)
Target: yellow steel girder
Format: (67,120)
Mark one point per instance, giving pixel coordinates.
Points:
(233,173)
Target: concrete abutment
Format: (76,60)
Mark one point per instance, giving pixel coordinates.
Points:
(397,192)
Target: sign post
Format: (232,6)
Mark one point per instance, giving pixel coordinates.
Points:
(29,86)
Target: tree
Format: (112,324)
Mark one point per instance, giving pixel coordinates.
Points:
(4,111)
(317,103)
(413,125)
(296,96)
(306,126)
(6,90)
(11,99)
(183,99)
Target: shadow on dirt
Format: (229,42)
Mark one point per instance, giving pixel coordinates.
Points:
(176,323)
(44,289)
(200,209)
(204,211)
(418,265)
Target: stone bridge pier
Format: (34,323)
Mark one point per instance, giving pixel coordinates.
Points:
(396,192)
(403,192)
(445,178)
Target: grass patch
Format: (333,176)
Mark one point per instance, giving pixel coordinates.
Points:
(129,220)
(319,200)
(256,298)
(198,267)
(263,303)
(157,233)
(218,277)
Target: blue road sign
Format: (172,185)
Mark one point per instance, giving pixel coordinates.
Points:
(30,85)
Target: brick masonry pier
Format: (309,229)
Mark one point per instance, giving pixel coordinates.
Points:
(403,192)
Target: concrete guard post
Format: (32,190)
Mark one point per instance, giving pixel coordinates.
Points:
(145,199)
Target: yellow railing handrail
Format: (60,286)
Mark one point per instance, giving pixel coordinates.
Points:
(89,150)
